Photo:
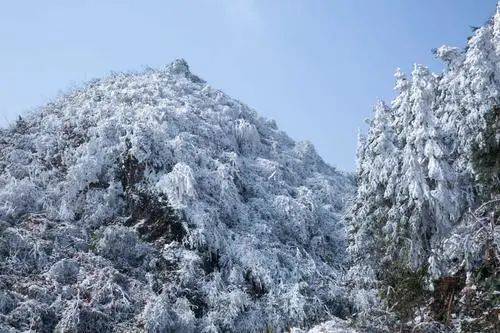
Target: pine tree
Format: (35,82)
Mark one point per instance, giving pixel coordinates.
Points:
(377,168)
(377,164)
(478,85)
(485,154)
(425,192)
(401,106)
(469,94)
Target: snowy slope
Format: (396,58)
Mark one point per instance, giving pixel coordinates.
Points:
(151,201)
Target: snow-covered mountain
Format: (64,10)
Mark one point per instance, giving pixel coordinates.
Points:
(153,202)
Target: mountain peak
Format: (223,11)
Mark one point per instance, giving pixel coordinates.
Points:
(179,66)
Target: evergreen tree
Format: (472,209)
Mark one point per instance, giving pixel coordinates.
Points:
(376,166)
(401,106)
(424,201)
(476,87)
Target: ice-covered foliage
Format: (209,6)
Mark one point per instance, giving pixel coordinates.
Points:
(332,326)
(151,201)
(418,157)
(428,161)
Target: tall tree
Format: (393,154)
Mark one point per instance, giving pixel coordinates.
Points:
(377,164)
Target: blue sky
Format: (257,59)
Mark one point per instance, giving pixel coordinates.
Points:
(316,67)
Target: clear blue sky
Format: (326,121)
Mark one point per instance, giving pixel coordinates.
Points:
(316,67)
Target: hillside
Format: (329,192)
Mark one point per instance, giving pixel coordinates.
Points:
(151,201)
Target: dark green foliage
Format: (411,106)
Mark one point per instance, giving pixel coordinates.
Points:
(486,159)
(211,262)
(484,303)
(403,289)
(445,296)
(151,214)
(131,172)
(255,287)
(480,304)
(155,218)
(21,126)
(92,321)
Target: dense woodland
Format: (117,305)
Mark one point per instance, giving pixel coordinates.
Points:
(425,221)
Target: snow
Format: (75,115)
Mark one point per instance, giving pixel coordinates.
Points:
(186,211)
(153,202)
(418,173)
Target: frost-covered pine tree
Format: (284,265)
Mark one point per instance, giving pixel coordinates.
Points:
(482,100)
(377,165)
(482,79)
(428,139)
(401,106)
(406,198)
(469,93)
(425,202)
(471,88)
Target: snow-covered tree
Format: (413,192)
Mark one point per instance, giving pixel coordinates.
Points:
(377,166)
